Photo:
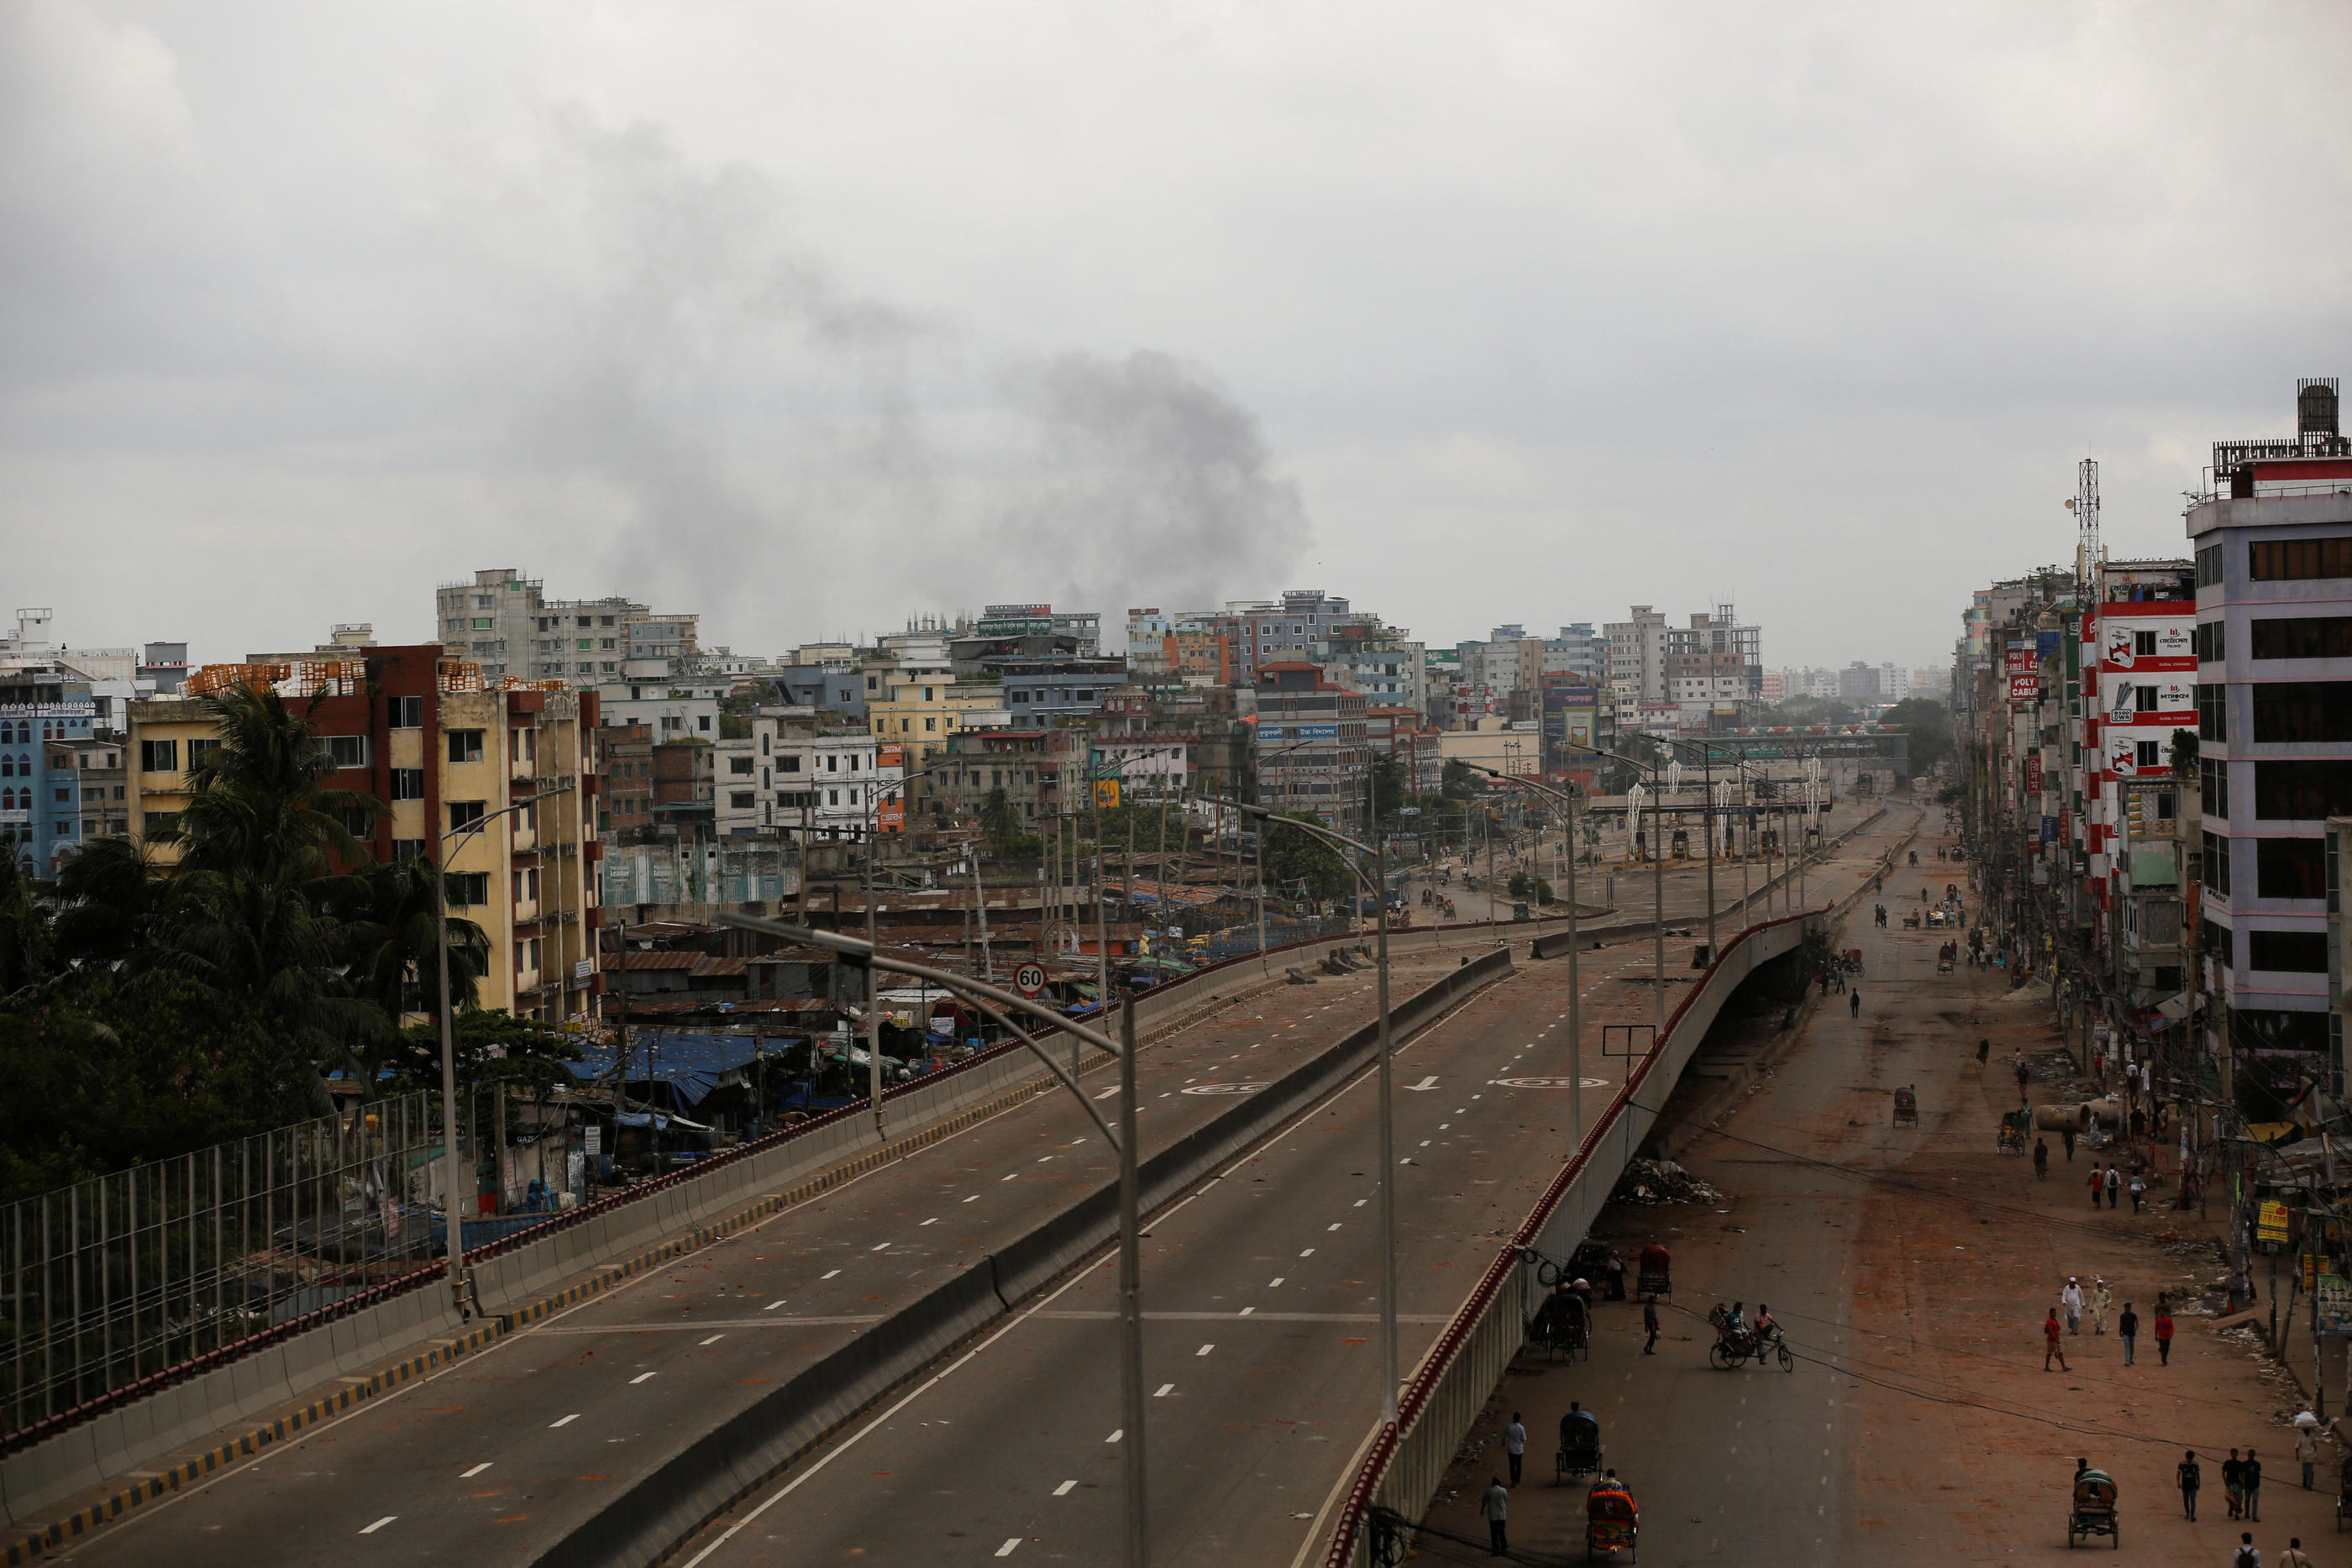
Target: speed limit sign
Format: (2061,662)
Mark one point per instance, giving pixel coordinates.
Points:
(1029,979)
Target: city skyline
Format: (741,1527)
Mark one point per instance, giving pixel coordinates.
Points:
(583,300)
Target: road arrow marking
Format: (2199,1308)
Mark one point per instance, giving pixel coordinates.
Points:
(1425,1086)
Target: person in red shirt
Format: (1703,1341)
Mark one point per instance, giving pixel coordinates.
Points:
(2164,1333)
(2050,1343)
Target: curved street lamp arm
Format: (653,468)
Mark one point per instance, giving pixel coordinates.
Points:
(1330,835)
(1052,1066)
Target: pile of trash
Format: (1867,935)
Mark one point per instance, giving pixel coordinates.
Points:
(1661,1181)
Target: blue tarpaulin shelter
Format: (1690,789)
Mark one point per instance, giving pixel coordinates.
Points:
(692,1064)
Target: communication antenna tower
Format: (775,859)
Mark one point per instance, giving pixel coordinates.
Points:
(2089,554)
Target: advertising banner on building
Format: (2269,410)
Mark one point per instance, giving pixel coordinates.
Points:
(2145,644)
(2332,1295)
(2033,772)
(2024,688)
(2174,697)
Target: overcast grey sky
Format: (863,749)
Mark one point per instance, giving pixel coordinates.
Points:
(812,317)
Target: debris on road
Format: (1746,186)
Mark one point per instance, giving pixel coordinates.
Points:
(1645,1182)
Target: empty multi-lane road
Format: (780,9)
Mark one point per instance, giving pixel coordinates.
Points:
(1261,1327)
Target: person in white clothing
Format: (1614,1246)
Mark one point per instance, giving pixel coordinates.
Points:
(2071,1298)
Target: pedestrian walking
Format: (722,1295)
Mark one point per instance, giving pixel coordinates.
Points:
(1984,1050)
(2042,1156)
(2066,1136)
(1650,1327)
(2250,1477)
(2190,1478)
(2050,1346)
(2233,1484)
(2307,1454)
(2071,1298)
(2024,1077)
(2127,1331)
(2102,1301)
(2163,1333)
(1515,1446)
(2247,1555)
(2294,1556)
(1854,1003)
(2139,1189)
(1495,1508)
(2115,1184)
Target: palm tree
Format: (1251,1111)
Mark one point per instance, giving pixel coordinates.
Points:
(253,910)
(107,899)
(389,936)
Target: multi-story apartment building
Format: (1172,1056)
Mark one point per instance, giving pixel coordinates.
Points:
(797,774)
(1579,652)
(1406,735)
(1040,771)
(2273,641)
(103,784)
(916,701)
(1312,752)
(1042,620)
(626,802)
(444,748)
(1046,685)
(44,713)
(685,787)
(1381,661)
(504,622)
(1637,655)
(1199,657)
(2138,691)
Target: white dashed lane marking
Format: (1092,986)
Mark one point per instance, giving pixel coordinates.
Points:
(478,1469)
(379,1524)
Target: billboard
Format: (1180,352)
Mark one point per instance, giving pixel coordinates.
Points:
(2168,645)
(2025,688)
(1298,732)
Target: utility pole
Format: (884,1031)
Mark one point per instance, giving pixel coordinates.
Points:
(1130,1301)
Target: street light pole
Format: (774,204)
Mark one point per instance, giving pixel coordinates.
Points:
(1130,1302)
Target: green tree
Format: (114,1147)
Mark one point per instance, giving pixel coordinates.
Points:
(1388,788)
(1008,837)
(487,1045)
(1293,855)
(1929,724)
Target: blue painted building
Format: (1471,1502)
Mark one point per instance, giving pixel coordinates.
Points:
(41,789)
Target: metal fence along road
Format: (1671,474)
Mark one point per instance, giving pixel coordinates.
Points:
(116,1278)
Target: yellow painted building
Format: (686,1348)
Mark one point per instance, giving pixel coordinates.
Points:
(443,749)
(918,712)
